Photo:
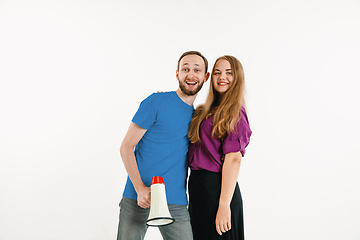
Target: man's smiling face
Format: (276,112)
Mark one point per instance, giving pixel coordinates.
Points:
(191,74)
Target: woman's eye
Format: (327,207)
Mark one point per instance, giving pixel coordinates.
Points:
(229,73)
(217,73)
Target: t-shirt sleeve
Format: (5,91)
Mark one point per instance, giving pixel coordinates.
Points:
(239,139)
(147,112)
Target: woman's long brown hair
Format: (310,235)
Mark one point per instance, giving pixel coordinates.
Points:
(228,107)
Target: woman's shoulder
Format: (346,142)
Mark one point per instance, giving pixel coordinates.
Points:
(243,114)
(199,109)
(242,128)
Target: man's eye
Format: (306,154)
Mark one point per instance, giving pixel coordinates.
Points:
(197,70)
(185,70)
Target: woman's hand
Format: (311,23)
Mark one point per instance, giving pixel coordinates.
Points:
(223,219)
(144,197)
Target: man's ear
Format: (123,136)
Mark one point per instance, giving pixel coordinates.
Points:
(177,74)
(207,76)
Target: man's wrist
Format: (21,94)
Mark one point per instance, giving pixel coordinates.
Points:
(139,187)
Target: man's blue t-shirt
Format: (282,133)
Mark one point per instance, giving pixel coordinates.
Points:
(163,150)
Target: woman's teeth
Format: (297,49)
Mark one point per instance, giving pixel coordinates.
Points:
(222,83)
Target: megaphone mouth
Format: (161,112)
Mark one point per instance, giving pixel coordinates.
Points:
(160,221)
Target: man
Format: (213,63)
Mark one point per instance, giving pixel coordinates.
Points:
(158,133)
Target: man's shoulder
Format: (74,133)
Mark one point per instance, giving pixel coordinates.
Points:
(158,95)
(164,94)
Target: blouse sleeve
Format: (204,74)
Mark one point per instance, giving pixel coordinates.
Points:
(238,139)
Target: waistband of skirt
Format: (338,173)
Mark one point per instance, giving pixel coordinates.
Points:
(204,172)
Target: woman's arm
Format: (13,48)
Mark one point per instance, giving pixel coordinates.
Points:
(230,172)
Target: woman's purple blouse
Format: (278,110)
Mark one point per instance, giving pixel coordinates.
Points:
(207,153)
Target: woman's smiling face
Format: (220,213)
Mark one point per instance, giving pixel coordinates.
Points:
(222,76)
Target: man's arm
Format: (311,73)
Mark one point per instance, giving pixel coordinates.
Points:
(131,139)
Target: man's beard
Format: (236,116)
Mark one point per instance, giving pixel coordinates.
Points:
(182,86)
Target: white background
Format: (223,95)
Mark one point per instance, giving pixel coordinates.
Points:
(73,73)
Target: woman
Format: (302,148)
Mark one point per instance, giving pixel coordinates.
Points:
(219,132)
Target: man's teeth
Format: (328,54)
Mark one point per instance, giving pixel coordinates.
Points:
(191,83)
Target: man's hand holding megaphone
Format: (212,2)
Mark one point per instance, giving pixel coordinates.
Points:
(144,196)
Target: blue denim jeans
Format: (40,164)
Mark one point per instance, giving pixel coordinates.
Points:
(132,222)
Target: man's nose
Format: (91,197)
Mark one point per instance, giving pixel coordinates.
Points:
(191,75)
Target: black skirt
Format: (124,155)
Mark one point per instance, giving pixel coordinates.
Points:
(204,195)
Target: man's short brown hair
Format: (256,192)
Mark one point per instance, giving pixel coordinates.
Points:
(194,53)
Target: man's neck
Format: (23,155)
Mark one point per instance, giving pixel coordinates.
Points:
(186,98)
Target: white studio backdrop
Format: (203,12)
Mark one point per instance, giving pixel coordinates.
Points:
(73,73)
